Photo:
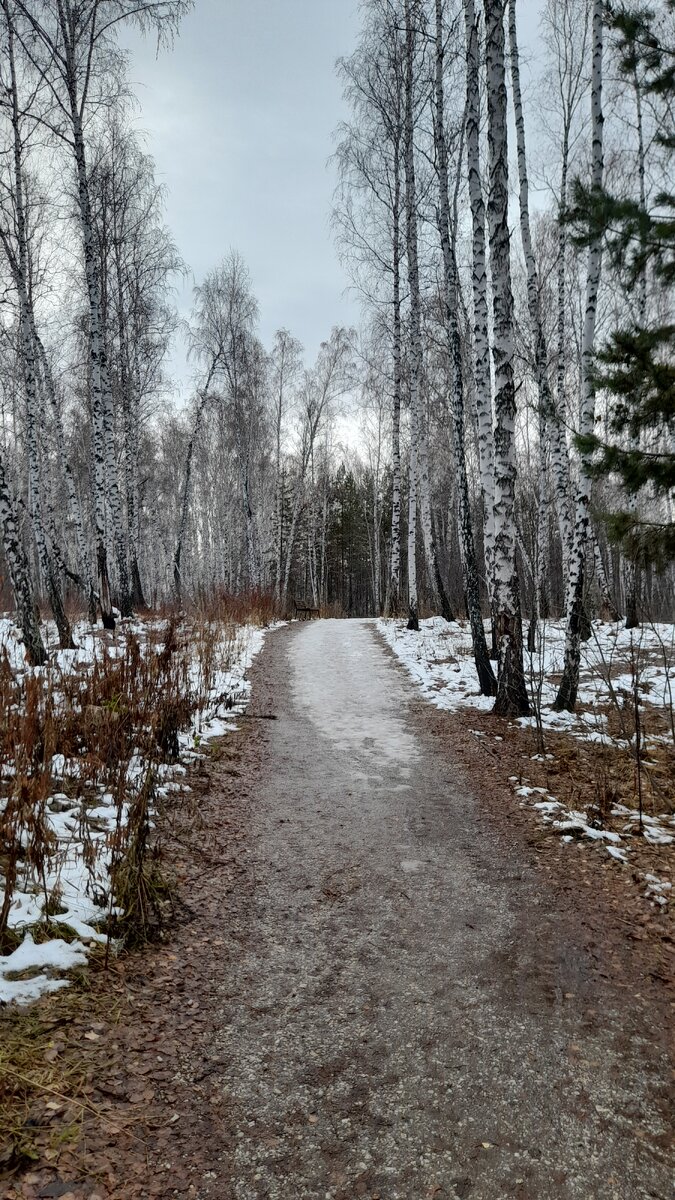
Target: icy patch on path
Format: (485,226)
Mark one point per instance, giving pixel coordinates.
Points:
(345,684)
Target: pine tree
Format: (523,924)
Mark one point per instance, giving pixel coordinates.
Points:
(636,367)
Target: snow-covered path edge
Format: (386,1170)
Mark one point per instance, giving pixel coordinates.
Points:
(439,660)
(44,963)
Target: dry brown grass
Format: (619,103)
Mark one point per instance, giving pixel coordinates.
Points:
(253,607)
(130,702)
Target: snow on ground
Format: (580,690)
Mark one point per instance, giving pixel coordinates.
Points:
(440,660)
(77,866)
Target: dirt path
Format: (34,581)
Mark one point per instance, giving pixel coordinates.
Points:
(406,1020)
(376,989)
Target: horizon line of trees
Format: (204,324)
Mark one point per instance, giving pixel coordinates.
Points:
(512,383)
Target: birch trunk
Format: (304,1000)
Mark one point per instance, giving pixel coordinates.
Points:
(537,324)
(19,573)
(486,679)
(31,350)
(252,560)
(279,506)
(418,422)
(377,550)
(96,362)
(542,549)
(633,580)
(19,263)
(608,609)
(47,568)
(187,476)
(113,496)
(74,507)
(413,609)
(184,510)
(560,467)
(278,477)
(323,590)
(99,385)
(481,345)
(567,692)
(130,431)
(512,697)
(395,564)
(290,542)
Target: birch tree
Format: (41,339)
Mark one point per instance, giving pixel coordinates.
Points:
(481,345)
(567,692)
(286,364)
(227,317)
(19,571)
(486,679)
(137,259)
(541,364)
(512,697)
(566,29)
(14,240)
(202,400)
(72,47)
(419,454)
(369,216)
(322,387)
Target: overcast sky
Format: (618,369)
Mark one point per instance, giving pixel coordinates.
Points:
(240,118)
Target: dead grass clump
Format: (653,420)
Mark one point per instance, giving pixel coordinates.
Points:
(114,719)
(137,882)
(254,607)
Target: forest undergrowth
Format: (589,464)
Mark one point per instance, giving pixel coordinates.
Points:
(93,746)
(602,778)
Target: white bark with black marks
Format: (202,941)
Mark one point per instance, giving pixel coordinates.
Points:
(545,406)
(567,692)
(395,555)
(19,573)
(486,679)
(413,604)
(632,571)
(481,344)
(418,417)
(512,699)
(18,260)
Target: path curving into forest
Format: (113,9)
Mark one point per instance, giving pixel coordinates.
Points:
(404,1014)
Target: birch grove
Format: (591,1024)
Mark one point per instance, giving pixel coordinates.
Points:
(427,462)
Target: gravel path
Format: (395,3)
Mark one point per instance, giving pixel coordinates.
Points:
(407,1016)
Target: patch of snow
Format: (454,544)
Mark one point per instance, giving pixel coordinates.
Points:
(78,873)
(657,889)
(440,660)
(40,958)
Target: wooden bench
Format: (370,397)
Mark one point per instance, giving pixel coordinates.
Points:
(304,612)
